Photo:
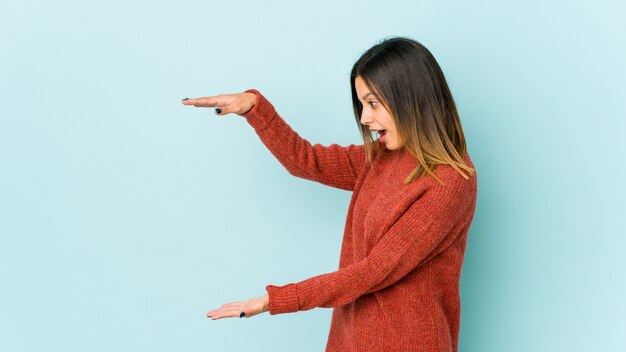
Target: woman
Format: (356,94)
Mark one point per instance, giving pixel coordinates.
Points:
(414,195)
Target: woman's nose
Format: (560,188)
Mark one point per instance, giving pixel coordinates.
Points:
(365,119)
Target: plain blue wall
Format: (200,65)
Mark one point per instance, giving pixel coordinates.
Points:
(125,216)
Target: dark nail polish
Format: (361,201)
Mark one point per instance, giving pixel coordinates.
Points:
(185,99)
(218,110)
(242,314)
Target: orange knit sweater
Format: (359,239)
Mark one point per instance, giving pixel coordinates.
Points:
(397,285)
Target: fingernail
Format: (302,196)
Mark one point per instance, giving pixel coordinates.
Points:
(185,99)
(218,110)
(242,314)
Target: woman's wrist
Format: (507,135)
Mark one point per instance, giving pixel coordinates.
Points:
(266,302)
(252,99)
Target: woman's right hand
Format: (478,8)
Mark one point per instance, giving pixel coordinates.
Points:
(239,103)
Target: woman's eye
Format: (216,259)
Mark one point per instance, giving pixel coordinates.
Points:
(370,102)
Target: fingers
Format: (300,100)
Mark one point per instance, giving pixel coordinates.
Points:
(203,102)
(222,107)
(244,309)
(229,311)
(224,103)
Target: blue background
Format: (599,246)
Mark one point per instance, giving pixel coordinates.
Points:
(126,216)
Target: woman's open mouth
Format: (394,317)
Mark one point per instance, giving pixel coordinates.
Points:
(382,134)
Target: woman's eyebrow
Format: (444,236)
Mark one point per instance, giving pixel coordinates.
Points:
(365,96)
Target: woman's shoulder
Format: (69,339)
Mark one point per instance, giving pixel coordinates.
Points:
(447,177)
(456,178)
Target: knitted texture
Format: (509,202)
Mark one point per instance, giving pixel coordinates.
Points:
(397,285)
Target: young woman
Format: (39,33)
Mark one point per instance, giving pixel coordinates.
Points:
(414,194)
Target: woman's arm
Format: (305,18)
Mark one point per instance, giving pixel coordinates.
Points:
(333,165)
(425,229)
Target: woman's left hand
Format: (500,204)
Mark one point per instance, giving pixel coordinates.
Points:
(242,309)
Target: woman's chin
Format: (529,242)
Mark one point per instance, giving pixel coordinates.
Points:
(390,146)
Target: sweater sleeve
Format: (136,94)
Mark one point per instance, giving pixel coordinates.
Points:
(334,165)
(426,227)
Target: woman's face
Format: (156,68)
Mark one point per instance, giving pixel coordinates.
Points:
(376,117)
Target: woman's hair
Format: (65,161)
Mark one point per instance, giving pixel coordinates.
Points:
(408,82)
